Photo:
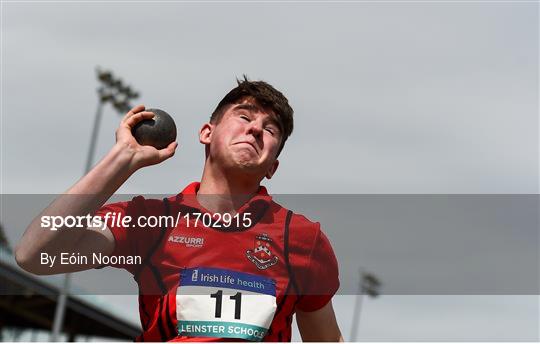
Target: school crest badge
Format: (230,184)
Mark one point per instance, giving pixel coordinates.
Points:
(261,255)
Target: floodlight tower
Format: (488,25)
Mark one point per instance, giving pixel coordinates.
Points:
(111,90)
(369,285)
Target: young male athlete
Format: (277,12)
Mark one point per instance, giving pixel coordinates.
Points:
(235,265)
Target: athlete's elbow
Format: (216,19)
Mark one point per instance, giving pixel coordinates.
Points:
(22,259)
(27,261)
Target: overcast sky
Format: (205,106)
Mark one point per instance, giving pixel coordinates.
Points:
(393,97)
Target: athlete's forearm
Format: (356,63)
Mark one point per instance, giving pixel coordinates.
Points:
(84,197)
(108,175)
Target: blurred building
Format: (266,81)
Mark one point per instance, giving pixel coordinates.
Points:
(28,303)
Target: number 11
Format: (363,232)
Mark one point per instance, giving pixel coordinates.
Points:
(237,303)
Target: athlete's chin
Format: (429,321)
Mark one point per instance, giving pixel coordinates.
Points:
(245,159)
(247,164)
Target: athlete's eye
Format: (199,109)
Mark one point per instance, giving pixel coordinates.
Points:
(270,130)
(244,117)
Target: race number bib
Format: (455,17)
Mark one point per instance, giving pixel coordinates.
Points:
(224,304)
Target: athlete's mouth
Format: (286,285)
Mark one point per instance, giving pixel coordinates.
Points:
(251,144)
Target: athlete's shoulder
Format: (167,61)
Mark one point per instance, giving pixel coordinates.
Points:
(143,203)
(138,206)
(301,228)
(302,225)
(146,205)
(311,255)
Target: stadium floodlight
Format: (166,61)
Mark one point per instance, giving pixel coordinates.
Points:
(112,90)
(369,285)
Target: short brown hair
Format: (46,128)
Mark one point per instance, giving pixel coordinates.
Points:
(266,96)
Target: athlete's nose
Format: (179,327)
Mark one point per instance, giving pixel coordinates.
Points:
(255,128)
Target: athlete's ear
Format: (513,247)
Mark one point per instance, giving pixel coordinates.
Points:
(205,134)
(272,170)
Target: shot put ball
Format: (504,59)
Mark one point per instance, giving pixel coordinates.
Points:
(158,132)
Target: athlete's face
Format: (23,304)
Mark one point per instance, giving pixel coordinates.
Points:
(246,138)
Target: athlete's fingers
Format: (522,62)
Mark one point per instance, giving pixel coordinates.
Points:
(136,118)
(168,151)
(134,110)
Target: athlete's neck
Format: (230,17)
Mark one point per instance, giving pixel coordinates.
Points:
(222,193)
